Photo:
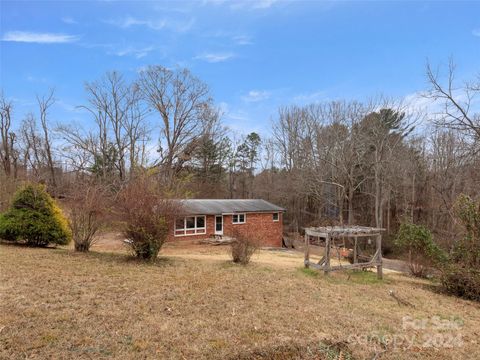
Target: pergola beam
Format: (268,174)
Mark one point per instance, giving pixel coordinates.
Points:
(356,232)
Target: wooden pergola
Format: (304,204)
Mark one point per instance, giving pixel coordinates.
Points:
(330,233)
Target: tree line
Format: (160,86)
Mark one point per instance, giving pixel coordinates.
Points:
(374,162)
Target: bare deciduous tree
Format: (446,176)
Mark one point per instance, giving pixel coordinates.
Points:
(458,112)
(88,207)
(181,101)
(44,103)
(7,136)
(118,144)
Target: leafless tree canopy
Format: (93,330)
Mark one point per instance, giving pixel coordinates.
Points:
(183,104)
(457,101)
(121,135)
(370,162)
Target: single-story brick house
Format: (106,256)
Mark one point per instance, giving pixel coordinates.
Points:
(207,218)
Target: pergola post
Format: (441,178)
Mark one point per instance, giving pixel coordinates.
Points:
(329,233)
(307,250)
(379,257)
(355,255)
(327,255)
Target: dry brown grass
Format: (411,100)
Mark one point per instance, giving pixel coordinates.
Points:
(195,303)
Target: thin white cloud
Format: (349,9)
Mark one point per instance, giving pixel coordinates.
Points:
(214,57)
(263,4)
(476,32)
(242,4)
(236,38)
(223,107)
(214,2)
(181,26)
(39,38)
(256,95)
(69,20)
(312,97)
(136,52)
(257,4)
(242,40)
(130,21)
(67,106)
(419,102)
(36,79)
(238,116)
(157,24)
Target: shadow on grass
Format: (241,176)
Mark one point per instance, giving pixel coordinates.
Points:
(108,257)
(309,272)
(229,264)
(346,276)
(365,277)
(431,284)
(23,244)
(124,258)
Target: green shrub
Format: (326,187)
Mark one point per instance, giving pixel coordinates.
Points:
(35,218)
(467,249)
(461,281)
(422,251)
(461,276)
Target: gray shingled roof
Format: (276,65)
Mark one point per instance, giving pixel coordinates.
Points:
(224,206)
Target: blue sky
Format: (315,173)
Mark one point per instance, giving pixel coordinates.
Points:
(255,55)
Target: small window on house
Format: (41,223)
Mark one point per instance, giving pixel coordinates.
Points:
(276,216)
(238,218)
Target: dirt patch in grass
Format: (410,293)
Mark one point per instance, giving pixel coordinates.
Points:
(193,303)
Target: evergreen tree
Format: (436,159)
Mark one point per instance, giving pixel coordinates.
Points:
(35,218)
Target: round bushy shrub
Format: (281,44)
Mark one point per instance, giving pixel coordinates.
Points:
(422,250)
(145,214)
(34,217)
(461,275)
(461,281)
(243,247)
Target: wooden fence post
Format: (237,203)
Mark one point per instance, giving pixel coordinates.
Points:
(355,255)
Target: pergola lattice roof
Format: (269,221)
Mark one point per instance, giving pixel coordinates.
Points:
(332,232)
(338,231)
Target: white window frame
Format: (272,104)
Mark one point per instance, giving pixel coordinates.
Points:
(196,230)
(238,218)
(278,217)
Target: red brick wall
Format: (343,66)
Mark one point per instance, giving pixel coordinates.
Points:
(259,225)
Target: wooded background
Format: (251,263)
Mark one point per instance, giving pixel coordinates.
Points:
(372,162)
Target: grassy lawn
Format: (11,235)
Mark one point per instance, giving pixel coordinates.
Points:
(194,303)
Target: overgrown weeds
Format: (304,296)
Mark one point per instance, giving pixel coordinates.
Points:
(88,210)
(146,214)
(243,247)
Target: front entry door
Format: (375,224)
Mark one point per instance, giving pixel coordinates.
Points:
(218,225)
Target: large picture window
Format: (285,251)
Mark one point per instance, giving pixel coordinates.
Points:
(238,218)
(190,225)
